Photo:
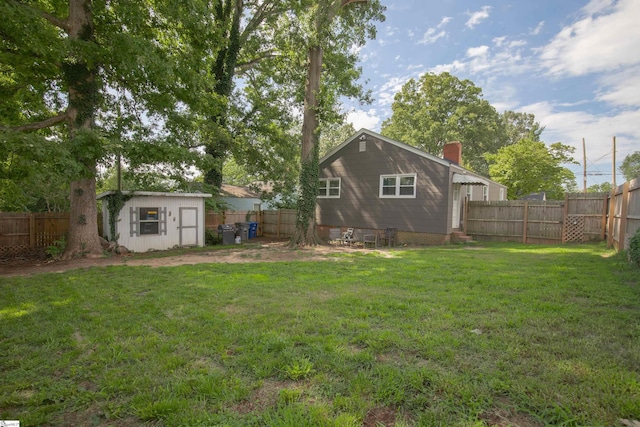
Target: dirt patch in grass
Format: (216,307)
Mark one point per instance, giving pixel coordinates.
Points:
(263,250)
(377,417)
(504,415)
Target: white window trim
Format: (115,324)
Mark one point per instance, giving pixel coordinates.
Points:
(485,193)
(398,177)
(326,187)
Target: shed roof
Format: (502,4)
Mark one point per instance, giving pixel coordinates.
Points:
(154,193)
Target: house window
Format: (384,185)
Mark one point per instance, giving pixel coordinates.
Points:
(485,193)
(469,192)
(502,194)
(149,221)
(398,185)
(329,188)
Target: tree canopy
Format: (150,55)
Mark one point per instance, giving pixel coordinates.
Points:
(630,166)
(84,81)
(531,166)
(439,108)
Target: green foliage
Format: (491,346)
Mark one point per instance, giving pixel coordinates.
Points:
(516,126)
(630,166)
(298,369)
(634,248)
(115,203)
(439,108)
(531,166)
(56,250)
(211,237)
(604,187)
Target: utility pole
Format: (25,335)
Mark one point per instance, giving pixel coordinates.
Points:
(584,168)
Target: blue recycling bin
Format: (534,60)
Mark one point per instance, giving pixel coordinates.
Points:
(253,230)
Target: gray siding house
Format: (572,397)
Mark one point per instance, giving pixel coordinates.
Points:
(374,182)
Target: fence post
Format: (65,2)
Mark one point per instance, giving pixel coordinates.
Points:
(622,234)
(603,233)
(565,214)
(612,215)
(525,222)
(278,227)
(32,230)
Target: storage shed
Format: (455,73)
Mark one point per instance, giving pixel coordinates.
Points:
(155,221)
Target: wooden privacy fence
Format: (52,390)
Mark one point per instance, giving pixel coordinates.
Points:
(580,217)
(25,232)
(624,214)
(272,223)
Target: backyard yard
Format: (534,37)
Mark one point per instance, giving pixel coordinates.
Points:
(263,335)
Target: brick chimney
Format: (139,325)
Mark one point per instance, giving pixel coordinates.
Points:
(453,151)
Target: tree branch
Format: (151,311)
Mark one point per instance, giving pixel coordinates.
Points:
(60,23)
(51,121)
(347,2)
(248,65)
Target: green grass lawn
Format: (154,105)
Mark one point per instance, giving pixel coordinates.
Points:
(446,336)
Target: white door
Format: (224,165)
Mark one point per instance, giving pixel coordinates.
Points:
(188,226)
(455,223)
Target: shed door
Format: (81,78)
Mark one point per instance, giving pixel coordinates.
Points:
(455,223)
(188,227)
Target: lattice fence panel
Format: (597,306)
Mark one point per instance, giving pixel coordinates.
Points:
(574,228)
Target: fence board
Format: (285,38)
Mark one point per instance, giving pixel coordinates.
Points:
(21,233)
(542,222)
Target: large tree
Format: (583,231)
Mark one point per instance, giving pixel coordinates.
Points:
(439,108)
(515,126)
(630,166)
(531,166)
(331,30)
(250,37)
(90,80)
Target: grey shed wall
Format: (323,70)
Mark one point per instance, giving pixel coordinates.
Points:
(359,204)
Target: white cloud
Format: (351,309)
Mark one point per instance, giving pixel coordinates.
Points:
(569,127)
(365,119)
(606,38)
(622,88)
(390,88)
(477,17)
(537,29)
(432,34)
(474,52)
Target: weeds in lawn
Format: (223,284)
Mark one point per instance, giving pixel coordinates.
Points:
(500,335)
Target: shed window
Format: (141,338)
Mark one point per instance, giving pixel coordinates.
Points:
(485,193)
(149,221)
(329,188)
(403,185)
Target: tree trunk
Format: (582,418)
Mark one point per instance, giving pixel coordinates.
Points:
(83,238)
(305,234)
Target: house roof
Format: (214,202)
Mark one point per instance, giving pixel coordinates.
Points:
(464,178)
(228,190)
(402,145)
(153,193)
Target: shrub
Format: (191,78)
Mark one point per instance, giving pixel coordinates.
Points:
(634,248)
(211,237)
(56,250)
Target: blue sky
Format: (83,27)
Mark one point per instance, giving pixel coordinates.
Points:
(575,64)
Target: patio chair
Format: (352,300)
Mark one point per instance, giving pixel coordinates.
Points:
(388,236)
(348,237)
